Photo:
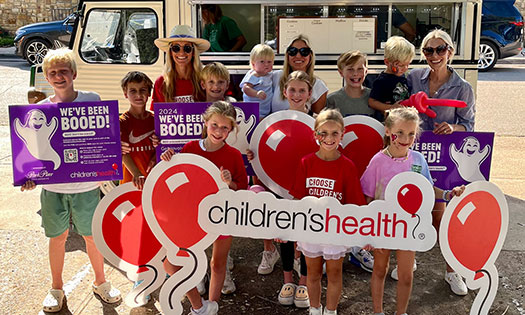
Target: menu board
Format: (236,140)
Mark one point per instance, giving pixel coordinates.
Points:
(330,35)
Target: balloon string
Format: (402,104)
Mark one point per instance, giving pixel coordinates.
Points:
(488,290)
(185,279)
(149,285)
(415,227)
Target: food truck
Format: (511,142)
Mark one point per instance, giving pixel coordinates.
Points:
(111,38)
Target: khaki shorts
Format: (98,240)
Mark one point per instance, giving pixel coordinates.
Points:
(58,209)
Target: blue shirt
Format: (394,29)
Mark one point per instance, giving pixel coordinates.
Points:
(455,88)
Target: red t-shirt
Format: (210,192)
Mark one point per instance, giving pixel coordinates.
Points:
(227,157)
(319,178)
(183,91)
(137,133)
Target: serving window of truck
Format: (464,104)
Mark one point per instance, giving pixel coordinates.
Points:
(114,37)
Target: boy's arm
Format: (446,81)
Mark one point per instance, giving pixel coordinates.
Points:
(377,105)
(138,178)
(248,89)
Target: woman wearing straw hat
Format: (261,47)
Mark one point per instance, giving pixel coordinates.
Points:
(179,81)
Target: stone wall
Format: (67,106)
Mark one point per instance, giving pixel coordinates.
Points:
(17,13)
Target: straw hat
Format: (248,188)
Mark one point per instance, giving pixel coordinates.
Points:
(182,33)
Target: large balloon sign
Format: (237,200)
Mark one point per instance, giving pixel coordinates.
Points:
(125,239)
(171,197)
(471,235)
(282,139)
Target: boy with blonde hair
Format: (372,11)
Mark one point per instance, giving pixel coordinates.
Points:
(352,98)
(77,202)
(391,86)
(257,84)
(215,80)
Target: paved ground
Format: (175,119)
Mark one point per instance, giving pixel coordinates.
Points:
(24,275)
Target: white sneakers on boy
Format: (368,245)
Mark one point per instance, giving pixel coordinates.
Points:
(457,285)
(229,286)
(316,310)
(394,272)
(53,301)
(329,312)
(269,258)
(208,308)
(361,258)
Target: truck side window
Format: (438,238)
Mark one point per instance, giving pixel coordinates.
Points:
(120,36)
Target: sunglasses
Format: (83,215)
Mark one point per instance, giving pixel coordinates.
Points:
(440,50)
(176,48)
(305,51)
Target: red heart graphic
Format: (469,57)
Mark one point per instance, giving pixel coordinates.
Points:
(409,197)
(474,230)
(123,227)
(282,139)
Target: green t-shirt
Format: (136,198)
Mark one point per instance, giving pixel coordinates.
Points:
(222,35)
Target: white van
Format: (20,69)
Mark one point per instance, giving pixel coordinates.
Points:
(111,38)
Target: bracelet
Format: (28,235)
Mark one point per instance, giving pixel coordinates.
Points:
(445,193)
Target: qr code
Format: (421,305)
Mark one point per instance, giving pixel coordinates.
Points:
(70,156)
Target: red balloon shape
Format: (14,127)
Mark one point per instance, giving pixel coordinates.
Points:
(362,149)
(114,166)
(177,212)
(280,164)
(474,230)
(130,239)
(410,198)
(421,102)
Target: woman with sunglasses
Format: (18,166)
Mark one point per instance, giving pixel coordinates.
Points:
(298,57)
(180,79)
(440,80)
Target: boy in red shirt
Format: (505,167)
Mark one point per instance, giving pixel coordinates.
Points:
(136,127)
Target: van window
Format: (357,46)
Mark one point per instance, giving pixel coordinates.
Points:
(120,36)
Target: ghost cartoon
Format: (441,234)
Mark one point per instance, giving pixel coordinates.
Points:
(239,140)
(469,158)
(36,134)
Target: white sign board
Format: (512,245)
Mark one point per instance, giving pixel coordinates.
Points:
(330,35)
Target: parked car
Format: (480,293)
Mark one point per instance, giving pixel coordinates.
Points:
(501,32)
(34,40)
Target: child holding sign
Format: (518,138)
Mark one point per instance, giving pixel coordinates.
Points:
(71,201)
(401,129)
(219,121)
(330,166)
(136,127)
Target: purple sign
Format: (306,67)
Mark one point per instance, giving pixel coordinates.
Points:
(65,142)
(179,123)
(458,158)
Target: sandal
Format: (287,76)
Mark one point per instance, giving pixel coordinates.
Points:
(301,299)
(107,292)
(54,301)
(286,295)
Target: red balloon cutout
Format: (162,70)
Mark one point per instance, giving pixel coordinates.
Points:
(410,198)
(480,230)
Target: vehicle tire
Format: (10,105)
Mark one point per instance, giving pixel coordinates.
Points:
(488,56)
(35,50)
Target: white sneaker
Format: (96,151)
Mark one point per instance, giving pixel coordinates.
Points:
(297,266)
(287,293)
(269,258)
(229,286)
(201,287)
(53,301)
(457,285)
(361,258)
(316,310)
(328,312)
(208,308)
(394,272)
(229,262)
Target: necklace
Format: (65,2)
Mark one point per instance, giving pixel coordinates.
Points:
(397,159)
